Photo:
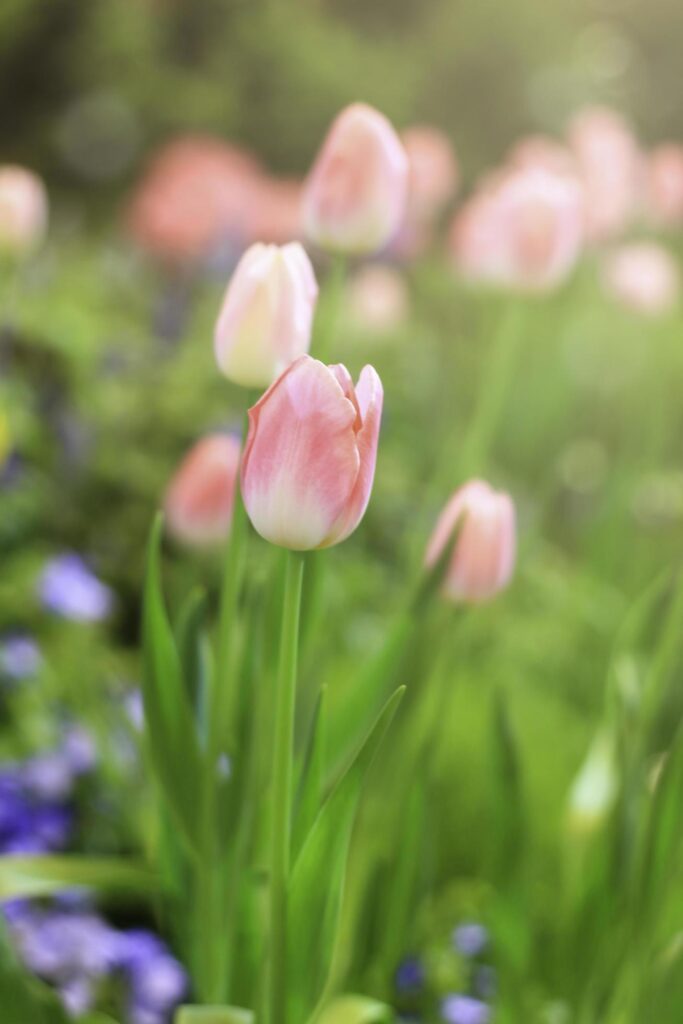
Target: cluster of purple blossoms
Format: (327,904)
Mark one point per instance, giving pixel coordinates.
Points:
(70,589)
(65,942)
(469,941)
(72,948)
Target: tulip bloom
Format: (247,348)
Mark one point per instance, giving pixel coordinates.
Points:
(642,276)
(610,165)
(267,315)
(23,210)
(522,229)
(665,184)
(484,555)
(200,497)
(309,460)
(377,299)
(355,195)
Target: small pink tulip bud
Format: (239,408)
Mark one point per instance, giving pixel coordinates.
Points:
(665,184)
(611,168)
(377,299)
(267,314)
(200,497)
(309,460)
(522,230)
(642,276)
(433,171)
(23,210)
(484,554)
(355,195)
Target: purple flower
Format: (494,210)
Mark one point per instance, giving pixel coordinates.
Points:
(458,1009)
(409,975)
(69,588)
(79,751)
(20,657)
(48,776)
(470,938)
(159,983)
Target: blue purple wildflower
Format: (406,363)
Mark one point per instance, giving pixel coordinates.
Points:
(68,588)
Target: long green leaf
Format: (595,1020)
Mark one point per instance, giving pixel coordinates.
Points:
(169,719)
(213,1015)
(39,875)
(309,795)
(355,1010)
(317,883)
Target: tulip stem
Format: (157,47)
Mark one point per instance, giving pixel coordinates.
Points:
(282,787)
(333,295)
(493,390)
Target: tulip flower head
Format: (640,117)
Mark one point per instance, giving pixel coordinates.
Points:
(522,230)
(377,299)
(200,497)
(267,315)
(23,210)
(611,168)
(484,554)
(309,460)
(665,184)
(433,170)
(355,195)
(643,277)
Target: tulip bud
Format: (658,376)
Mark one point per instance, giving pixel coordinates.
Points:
(23,210)
(611,168)
(643,277)
(484,554)
(665,184)
(200,497)
(521,230)
(594,788)
(355,195)
(309,460)
(267,314)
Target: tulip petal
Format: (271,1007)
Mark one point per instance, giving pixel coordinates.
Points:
(301,461)
(369,397)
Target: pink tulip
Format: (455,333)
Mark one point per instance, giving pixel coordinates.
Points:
(433,171)
(194,197)
(275,214)
(665,184)
(355,195)
(483,558)
(377,299)
(610,165)
(23,209)
(642,276)
(544,153)
(200,497)
(309,460)
(522,230)
(267,314)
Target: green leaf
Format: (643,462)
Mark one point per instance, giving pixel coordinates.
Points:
(509,809)
(169,720)
(213,1015)
(355,1010)
(43,874)
(192,646)
(317,882)
(309,795)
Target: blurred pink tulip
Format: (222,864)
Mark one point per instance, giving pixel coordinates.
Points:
(377,299)
(355,195)
(522,230)
(611,168)
(275,214)
(309,460)
(23,209)
(542,152)
(433,171)
(643,277)
(665,184)
(267,314)
(195,195)
(484,554)
(200,497)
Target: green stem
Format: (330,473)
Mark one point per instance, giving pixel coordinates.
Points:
(493,391)
(282,787)
(330,308)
